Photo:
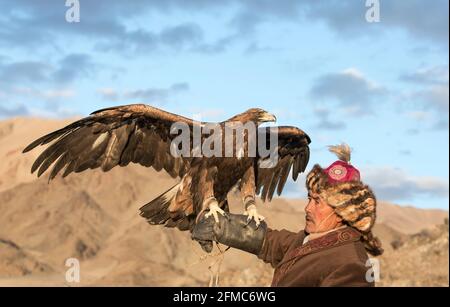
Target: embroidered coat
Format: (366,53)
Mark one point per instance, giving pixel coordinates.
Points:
(335,259)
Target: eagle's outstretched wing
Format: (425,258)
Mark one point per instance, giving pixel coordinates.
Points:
(293,154)
(111,137)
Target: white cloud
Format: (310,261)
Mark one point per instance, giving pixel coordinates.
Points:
(394,184)
(159,95)
(67,69)
(430,96)
(64,93)
(27,101)
(44,94)
(12,111)
(435,99)
(353,92)
(353,72)
(437,74)
(418,115)
(108,93)
(438,97)
(325,122)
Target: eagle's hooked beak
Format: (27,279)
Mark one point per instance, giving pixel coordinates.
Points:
(267,118)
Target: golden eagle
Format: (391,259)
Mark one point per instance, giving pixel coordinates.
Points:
(142,134)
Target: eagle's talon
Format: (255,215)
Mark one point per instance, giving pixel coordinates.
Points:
(252,214)
(214,210)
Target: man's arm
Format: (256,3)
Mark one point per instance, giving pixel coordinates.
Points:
(234,230)
(276,244)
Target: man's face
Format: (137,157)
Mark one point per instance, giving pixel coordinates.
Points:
(320,216)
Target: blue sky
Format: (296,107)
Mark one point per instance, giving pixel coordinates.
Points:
(319,65)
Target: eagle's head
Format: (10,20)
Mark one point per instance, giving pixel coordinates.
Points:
(258,115)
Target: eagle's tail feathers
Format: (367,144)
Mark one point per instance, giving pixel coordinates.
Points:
(156,212)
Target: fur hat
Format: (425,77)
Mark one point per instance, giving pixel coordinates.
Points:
(341,187)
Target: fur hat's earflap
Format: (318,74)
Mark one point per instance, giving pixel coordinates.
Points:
(372,244)
(354,202)
(316,180)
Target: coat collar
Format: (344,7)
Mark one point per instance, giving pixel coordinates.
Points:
(332,239)
(313,236)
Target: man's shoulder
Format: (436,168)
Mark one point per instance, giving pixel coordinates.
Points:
(343,245)
(348,252)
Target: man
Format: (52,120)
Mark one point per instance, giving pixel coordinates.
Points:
(331,250)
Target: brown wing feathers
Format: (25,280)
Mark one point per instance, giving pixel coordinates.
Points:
(111,137)
(293,152)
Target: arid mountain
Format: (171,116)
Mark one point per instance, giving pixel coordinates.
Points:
(15,262)
(93,217)
(418,259)
(14,134)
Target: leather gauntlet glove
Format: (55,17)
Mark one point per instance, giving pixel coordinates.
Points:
(232,230)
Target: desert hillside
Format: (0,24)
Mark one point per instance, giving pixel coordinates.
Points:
(93,216)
